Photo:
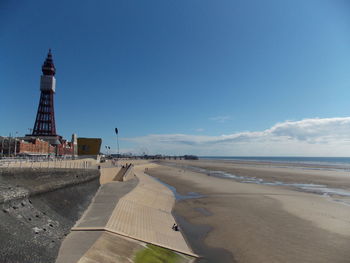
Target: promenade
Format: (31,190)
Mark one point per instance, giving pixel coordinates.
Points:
(138,209)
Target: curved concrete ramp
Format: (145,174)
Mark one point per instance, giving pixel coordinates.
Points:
(145,214)
(142,214)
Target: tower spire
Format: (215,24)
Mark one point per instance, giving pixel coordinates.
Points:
(48,68)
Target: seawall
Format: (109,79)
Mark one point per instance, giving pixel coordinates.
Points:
(38,209)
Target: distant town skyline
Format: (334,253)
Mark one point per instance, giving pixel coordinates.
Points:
(184,77)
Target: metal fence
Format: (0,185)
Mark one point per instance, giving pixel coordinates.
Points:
(48,163)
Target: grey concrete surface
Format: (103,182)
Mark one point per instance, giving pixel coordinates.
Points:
(33,224)
(96,216)
(97,246)
(76,244)
(19,183)
(104,202)
(111,248)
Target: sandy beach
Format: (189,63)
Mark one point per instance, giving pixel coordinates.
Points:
(236,221)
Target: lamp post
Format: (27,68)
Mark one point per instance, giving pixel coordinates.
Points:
(116,131)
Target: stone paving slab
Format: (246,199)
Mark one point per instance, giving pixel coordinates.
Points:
(76,244)
(105,200)
(111,248)
(145,214)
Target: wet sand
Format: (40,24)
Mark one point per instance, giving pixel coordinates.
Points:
(247,222)
(284,172)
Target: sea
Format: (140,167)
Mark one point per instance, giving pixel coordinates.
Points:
(298,160)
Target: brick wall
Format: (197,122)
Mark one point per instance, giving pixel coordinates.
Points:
(35,146)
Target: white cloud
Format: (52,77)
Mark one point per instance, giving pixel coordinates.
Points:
(308,137)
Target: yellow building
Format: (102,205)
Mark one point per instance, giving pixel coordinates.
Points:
(89,146)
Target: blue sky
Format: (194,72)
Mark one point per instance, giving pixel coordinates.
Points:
(199,69)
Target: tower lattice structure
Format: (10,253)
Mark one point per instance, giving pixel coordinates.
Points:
(45,117)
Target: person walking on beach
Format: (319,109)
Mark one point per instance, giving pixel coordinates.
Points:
(175,227)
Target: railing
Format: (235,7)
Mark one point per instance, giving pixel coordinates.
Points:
(49,163)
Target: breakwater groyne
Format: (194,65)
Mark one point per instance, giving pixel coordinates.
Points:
(38,207)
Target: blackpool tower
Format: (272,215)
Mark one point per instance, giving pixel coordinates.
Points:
(45,117)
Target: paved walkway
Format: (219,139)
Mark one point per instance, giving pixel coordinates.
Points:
(142,214)
(145,214)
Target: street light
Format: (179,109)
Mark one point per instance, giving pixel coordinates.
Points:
(116,131)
